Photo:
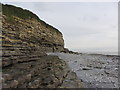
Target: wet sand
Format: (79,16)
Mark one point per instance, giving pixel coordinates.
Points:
(95,70)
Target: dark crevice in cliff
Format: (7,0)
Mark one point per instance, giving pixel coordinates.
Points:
(26,61)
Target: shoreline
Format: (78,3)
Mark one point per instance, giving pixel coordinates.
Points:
(95,70)
(100,54)
(47,72)
(78,53)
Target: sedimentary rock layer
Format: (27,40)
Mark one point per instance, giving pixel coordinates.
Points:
(27,39)
(25,63)
(47,72)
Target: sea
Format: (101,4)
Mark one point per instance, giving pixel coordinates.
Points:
(104,52)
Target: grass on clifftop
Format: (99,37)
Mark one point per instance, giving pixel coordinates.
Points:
(10,10)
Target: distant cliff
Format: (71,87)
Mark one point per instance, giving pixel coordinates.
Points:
(25,41)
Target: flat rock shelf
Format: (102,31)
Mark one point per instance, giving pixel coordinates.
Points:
(96,70)
(47,72)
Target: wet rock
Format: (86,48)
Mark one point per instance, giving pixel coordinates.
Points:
(106,72)
(94,70)
(75,61)
(98,67)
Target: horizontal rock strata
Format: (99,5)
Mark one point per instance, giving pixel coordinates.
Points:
(47,72)
(25,63)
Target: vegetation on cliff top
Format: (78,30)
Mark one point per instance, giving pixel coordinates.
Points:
(10,11)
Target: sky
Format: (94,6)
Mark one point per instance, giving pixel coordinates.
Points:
(84,25)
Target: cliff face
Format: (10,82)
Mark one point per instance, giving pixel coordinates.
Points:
(34,32)
(27,37)
(25,41)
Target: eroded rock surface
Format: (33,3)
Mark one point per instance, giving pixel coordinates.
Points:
(47,72)
(96,71)
(25,63)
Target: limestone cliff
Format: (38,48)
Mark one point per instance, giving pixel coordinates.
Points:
(31,30)
(29,36)
(25,41)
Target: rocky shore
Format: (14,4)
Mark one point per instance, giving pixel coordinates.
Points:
(25,41)
(47,72)
(95,70)
(26,63)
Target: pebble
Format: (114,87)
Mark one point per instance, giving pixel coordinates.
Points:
(102,68)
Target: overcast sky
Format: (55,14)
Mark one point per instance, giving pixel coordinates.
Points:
(85,25)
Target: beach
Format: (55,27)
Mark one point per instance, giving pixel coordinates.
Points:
(95,70)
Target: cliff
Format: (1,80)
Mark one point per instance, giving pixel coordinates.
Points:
(31,29)
(25,41)
(28,36)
